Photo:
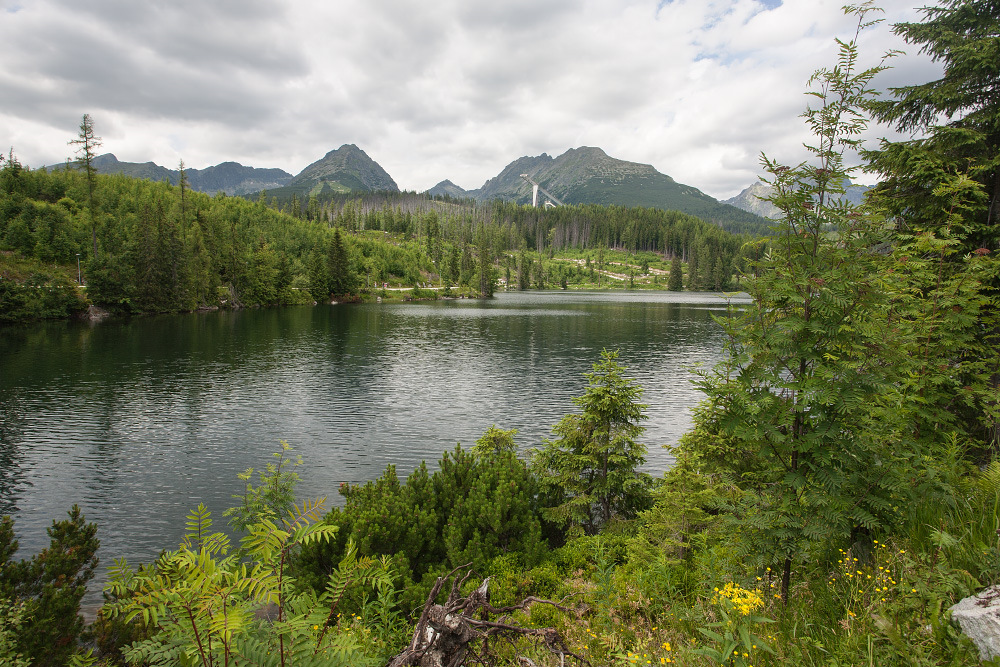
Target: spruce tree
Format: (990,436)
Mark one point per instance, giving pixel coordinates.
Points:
(942,191)
(591,473)
(319,277)
(676,275)
(964,36)
(338,265)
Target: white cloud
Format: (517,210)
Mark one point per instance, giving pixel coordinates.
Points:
(455,90)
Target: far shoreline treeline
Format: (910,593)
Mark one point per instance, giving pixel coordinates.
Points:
(71,238)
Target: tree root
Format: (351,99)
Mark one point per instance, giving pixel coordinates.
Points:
(450,635)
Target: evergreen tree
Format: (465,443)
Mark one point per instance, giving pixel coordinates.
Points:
(487,281)
(523,271)
(51,585)
(539,274)
(89,142)
(184,185)
(942,190)
(453,265)
(676,275)
(693,268)
(497,514)
(339,266)
(590,474)
(319,277)
(467,267)
(962,35)
(719,277)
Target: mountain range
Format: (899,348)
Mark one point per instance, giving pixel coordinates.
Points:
(584,175)
(588,175)
(229,177)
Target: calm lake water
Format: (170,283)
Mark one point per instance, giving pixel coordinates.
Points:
(138,421)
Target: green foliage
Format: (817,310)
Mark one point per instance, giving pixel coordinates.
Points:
(962,36)
(38,293)
(942,191)
(590,474)
(683,507)
(495,441)
(273,498)
(496,515)
(88,143)
(476,507)
(810,362)
(676,275)
(11,622)
(201,605)
(44,592)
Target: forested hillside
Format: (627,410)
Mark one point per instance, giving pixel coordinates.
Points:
(147,246)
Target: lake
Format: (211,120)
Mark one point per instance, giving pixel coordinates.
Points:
(139,420)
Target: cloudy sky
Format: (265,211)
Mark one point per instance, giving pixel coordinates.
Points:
(451,89)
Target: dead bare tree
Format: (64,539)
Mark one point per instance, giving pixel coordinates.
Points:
(450,634)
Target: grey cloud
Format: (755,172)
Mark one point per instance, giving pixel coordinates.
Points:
(465,84)
(151,61)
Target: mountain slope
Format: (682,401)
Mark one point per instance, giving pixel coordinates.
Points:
(343,170)
(588,175)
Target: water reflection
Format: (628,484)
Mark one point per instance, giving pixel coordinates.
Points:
(138,421)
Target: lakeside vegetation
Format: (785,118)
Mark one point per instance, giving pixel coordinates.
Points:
(840,488)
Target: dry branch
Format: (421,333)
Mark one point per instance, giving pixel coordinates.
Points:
(449,634)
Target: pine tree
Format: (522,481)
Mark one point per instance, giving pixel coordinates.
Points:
(496,515)
(51,585)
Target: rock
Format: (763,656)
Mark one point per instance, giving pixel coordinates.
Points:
(979,618)
(95,314)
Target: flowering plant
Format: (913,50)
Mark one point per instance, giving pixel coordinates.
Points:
(734,636)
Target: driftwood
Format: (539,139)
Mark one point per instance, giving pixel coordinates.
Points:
(459,631)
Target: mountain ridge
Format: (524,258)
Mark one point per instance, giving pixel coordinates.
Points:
(229,177)
(588,175)
(582,175)
(753,198)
